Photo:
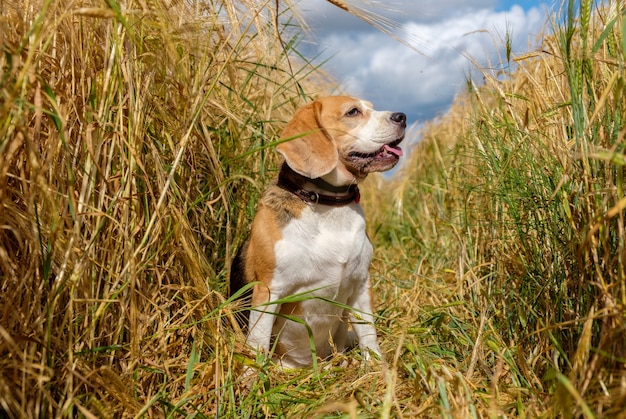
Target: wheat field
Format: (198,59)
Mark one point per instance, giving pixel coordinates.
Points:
(135,138)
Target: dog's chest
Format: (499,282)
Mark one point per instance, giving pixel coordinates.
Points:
(324,247)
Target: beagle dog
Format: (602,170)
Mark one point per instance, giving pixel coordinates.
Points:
(308,254)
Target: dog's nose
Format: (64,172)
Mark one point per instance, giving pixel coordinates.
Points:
(399,118)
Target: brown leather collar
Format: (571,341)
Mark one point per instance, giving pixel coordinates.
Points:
(291,181)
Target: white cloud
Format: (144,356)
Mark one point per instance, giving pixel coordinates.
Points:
(372,65)
(324,14)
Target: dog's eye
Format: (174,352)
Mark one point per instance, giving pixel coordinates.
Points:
(353,112)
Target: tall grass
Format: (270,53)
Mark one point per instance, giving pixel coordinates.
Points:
(134,140)
(517,193)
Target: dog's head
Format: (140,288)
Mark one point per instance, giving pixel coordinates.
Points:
(342,139)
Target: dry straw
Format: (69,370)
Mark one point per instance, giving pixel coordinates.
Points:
(518,192)
(124,181)
(134,139)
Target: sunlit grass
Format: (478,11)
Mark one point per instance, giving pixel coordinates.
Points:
(127,179)
(517,192)
(135,139)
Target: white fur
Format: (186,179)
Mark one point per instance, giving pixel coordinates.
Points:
(376,131)
(325,253)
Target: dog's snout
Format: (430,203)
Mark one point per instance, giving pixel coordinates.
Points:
(399,118)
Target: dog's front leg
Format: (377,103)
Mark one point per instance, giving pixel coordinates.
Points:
(261,322)
(362,321)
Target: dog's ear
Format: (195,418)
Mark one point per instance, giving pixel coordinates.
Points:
(312,152)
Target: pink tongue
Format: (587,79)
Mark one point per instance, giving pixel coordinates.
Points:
(396,151)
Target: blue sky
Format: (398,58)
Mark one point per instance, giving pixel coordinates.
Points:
(526,4)
(423,80)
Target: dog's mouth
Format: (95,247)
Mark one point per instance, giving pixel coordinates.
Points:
(381,160)
(391,149)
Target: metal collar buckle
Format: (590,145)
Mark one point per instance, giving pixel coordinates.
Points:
(314,197)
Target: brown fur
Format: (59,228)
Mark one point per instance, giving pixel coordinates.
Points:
(312,153)
(255,260)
